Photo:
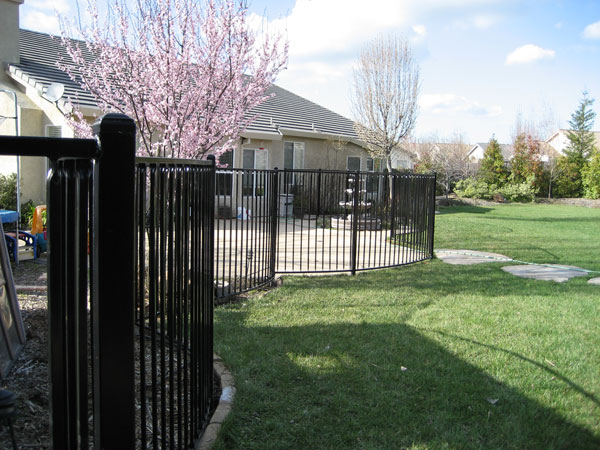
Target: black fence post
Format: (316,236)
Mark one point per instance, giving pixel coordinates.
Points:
(319,192)
(113,228)
(392,183)
(354,223)
(432,186)
(274,220)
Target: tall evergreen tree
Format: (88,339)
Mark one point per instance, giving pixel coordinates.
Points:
(492,169)
(581,138)
(581,146)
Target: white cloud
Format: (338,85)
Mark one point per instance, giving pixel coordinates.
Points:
(41,21)
(41,15)
(325,37)
(592,31)
(420,30)
(477,21)
(339,26)
(484,21)
(420,33)
(62,6)
(558,25)
(528,53)
(447,104)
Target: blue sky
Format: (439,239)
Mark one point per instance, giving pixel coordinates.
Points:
(482,61)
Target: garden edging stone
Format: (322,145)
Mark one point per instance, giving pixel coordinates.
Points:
(224,407)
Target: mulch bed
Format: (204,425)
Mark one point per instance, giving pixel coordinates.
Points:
(28,378)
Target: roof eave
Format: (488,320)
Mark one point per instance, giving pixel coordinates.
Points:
(262,135)
(316,134)
(64,106)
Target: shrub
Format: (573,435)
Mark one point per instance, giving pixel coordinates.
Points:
(514,192)
(591,176)
(474,188)
(27,210)
(568,184)
(518,192)
(8,192)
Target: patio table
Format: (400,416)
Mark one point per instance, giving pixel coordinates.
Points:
(8,216)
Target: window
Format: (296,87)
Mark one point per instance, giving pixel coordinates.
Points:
(373,180)
(293,155)
(373,165)
(225,177)
(253,159)
(53,131)
(293,158)
(353,163)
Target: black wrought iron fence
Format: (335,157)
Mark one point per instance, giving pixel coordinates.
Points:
(307,221)
(245,229)
(145,233)
(174,298)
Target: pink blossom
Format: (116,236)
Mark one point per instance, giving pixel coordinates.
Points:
(188,72)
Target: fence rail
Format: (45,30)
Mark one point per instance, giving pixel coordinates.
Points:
(310,221)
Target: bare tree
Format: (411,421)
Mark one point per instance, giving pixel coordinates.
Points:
(333,147)
(386,91)
(448,157)
(538,125)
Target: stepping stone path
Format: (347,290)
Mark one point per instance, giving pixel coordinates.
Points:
(468,257)
(551,272)
(547,272)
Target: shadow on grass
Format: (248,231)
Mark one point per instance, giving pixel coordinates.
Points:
(550,220)
(432,279)
(343,386)
(464,209)
(555,373)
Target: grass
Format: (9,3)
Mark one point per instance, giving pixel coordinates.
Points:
(491,360)
(536,233)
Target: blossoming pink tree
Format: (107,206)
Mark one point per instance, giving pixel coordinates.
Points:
(189,72)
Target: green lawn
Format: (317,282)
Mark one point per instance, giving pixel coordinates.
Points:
(528,232)
(490,360)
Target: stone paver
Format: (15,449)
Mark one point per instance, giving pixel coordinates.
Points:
(467,257)
(549,272)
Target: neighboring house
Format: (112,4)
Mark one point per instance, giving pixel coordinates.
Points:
(402,159)
(288,132)
(559,140)
(478,150)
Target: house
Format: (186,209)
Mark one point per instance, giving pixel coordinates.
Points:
(559,140)
(288,132)
(477,151)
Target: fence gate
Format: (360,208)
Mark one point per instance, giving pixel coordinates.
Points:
(144,229)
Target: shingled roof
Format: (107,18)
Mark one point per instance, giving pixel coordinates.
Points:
(284,113)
